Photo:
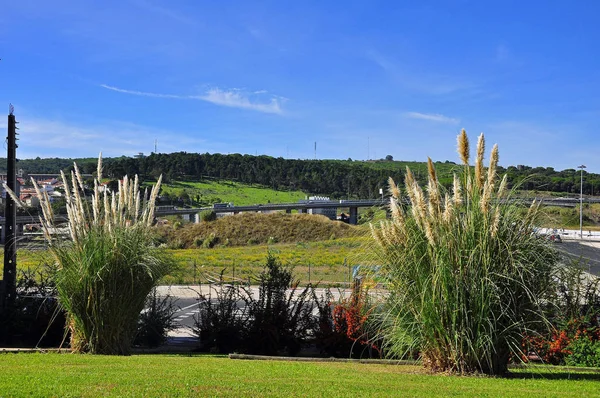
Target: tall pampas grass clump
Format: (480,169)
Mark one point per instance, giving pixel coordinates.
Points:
(466,273)
(109,265)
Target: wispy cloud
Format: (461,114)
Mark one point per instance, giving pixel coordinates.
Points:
(382,61)
(434,117)
(233,98)
(143,93)
(236,99)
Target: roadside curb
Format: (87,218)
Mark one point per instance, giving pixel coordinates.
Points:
(330,359)
(35,350)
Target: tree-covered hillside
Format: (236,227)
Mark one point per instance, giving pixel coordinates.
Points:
(335,178)
(51,165)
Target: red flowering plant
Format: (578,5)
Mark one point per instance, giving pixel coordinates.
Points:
(551,349)
(350,316)
(574,312)
(348,332)
(559,346)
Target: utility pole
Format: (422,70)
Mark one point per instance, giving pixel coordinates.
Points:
(9,286)
(581,203)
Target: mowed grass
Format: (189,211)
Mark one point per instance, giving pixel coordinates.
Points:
(66,375)
(229,191)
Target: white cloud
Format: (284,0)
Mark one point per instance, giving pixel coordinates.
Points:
(236,99)
(57,138)
(434,117)
(233,98)
(143,93)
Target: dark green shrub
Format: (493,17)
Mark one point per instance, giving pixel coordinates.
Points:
(280,320)
(156,321)
(36,320)
(222,320)
(584,351)
(208,216)
(329,340)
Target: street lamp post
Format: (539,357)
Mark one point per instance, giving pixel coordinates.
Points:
(581,203)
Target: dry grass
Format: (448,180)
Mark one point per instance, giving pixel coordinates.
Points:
(252,228)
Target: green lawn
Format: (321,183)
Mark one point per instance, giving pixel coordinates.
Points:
(66,375)
(228,191)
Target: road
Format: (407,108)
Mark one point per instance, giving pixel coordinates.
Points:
(187,303)
(587,251)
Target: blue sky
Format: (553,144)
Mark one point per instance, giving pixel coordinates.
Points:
(362,79)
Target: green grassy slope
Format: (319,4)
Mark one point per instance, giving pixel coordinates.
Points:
(228,191)
(329,262)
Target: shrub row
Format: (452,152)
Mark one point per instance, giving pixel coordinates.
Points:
(282,320)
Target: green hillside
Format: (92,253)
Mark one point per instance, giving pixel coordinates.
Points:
(208,192)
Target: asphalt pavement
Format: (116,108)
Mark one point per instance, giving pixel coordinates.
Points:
(586,252)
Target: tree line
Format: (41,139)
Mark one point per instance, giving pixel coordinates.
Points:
(336,178)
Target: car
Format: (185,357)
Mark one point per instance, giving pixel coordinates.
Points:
(555,238)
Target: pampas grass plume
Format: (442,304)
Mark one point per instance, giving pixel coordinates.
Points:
(479,178)
(463,147)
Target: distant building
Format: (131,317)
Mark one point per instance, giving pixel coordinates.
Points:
(29,195)
(44,177)
(30,200)
(140,155)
